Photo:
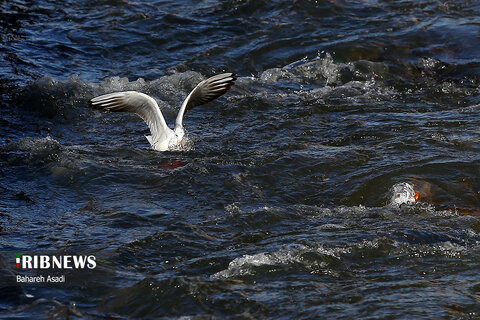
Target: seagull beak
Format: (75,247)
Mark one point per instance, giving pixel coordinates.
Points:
(416,196)
(181,142)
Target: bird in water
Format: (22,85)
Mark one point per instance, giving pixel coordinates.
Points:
(163,138)
(403,193)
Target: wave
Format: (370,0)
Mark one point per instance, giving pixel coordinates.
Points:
(49,96)
(311,81)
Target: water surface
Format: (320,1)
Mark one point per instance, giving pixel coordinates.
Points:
(279,206)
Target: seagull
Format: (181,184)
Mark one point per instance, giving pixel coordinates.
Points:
(403,193)
(163,138)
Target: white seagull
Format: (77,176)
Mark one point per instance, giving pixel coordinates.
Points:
(163,138)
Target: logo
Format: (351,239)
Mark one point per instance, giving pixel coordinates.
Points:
(49,267)
(54,262)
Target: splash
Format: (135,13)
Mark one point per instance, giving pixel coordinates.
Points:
(321,69)
(290,255)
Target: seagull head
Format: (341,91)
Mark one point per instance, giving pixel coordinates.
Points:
(179,133)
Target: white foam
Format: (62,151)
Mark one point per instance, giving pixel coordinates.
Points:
(291,254)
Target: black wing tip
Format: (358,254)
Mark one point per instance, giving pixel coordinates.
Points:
(223,76)
(232,75)
(98,106)
(228,79)
(93,105)
(99,103)
(229,83)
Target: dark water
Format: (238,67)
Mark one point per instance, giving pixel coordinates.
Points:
(279,206)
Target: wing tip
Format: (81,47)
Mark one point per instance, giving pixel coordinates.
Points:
(104,102)
(231,75)
(96,105)
(92,104)
(223,80)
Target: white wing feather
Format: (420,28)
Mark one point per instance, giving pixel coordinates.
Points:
(135,102)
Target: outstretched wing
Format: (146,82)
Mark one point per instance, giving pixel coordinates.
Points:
(210,89)
(135,102)
(206,91)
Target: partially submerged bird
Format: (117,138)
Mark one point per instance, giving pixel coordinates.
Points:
(403,193)
(163,138)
